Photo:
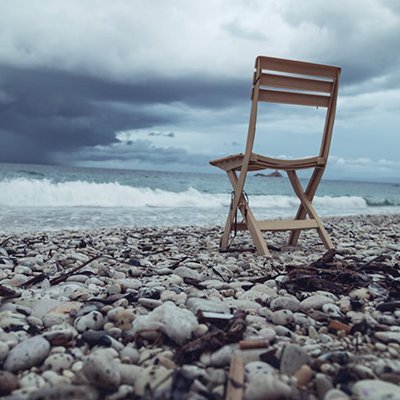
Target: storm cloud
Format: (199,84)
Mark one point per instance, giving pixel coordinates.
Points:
(144,84)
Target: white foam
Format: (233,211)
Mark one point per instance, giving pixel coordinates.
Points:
(22,192)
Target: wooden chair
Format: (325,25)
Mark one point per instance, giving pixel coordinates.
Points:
(290,82)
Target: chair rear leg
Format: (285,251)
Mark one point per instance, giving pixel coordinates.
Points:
(306,206)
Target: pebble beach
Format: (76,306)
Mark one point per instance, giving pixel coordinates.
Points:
(160,313)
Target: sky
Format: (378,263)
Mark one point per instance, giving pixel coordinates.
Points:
(165,85)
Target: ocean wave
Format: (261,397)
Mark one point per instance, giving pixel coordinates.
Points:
(22,192)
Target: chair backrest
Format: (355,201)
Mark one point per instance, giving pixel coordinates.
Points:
(278,80)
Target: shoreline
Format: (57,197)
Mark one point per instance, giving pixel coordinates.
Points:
(74,303)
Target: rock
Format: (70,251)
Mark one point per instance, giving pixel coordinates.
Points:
(285,302)
(177,323)
(257,368)
(26,354)
(388,336)
(4,349)
(322,385)
(8,383)
(185,272)
(65,392)
(314,302)
(293,357)
(93,320)
(267,386)
(374,389)
(222,356)
(32,381)
(99,369)
(195,304)
(282,317)
(157,379)
(58,362)
(131,354)
(336,394)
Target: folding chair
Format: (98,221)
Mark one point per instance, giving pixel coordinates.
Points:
(289,82)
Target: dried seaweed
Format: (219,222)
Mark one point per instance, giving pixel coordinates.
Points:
(341,277)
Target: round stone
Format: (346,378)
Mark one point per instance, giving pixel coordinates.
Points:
(26,354)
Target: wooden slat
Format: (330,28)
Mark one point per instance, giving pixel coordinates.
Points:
(287,225)
(282,225)
(297,67)
(290,82)
(277,96)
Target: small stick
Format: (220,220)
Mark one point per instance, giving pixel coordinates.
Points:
(235,386)
(67,274)
(253,344)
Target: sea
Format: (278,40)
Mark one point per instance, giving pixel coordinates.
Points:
(45,198)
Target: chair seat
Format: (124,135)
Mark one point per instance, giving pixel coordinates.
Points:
(259,162)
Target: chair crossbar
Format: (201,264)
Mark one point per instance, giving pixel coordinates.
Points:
(301,99)
(296,67)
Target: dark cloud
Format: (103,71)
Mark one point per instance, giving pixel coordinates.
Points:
(43,112)
(170,134)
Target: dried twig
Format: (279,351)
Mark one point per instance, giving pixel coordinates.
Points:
(66,275)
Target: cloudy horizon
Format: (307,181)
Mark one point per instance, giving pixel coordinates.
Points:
(165,85)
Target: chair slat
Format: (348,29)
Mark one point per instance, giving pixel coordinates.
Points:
(297,67)
(294,83)
(276,96)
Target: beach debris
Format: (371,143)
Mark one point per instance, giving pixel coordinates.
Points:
(161,313)
(235,386)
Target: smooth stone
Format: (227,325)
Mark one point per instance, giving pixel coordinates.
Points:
(336,394)
(315,302)
(32,381)
(129,373)
(282,317)
(131,354)
(196,304)
(374,389)
(257,368)
(4,349)
(123,319)
(8,383)
(293,357)
(246,305)
(129,283)
(157,378)
(286,303)
(93,320)
(185,272)
(388,336)
(222,356)
(267,386)
(177,323)
(26,354)
(65,392)
(99,369)
(58,362)
(322,385)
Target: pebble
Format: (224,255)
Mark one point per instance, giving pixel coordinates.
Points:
(373,389)
(8,383)
(282,317)
(177,323)
(293,357)
(26,354)
(93,320)
(99,370)
(314,302)
(266,386)
(285,302)
(139,287)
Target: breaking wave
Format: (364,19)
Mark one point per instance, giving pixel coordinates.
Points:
(23,192)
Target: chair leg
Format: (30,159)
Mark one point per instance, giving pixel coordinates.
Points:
(251,222)
(309,209)
(301,212)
